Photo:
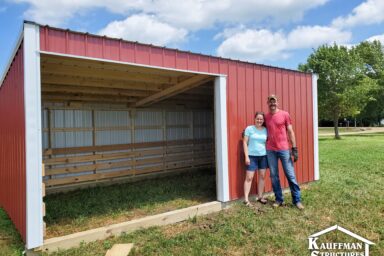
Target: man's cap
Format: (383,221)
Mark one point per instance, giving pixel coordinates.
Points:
(272,97)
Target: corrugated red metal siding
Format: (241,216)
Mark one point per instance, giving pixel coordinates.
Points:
(12,144)
(248,86)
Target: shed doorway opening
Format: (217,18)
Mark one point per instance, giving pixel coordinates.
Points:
(123,141)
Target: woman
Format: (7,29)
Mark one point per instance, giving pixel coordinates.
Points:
(255,137)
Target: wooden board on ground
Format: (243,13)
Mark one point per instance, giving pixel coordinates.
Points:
(119,250)
(73,240)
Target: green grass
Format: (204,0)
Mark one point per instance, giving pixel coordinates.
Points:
(349,194)
(95,207)
(10,240)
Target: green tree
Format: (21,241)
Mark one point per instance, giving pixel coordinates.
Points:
(343,86)
(372,54)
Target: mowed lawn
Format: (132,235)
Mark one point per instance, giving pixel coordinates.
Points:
(349,194)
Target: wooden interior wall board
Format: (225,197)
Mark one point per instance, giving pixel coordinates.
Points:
(123,179)
(140,168)
(47,59)
(140,152)
(57,88)
(116,107)
(120,173)
(82,129)
(91,167)
(135,153)
(74,150)
(101,83)
(178,88)
(161,156)
(68,129)
(92,98)
(58,69)
(88,158)
(188,163)
(97,176)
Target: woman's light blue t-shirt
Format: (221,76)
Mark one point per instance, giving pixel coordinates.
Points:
(256,140)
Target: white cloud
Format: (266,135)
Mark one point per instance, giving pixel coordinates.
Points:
(367,13)
(145,29)
(254,45)
(188,14)
(377,37)
(198,14)
(313,36)
(59,12)
(261,45)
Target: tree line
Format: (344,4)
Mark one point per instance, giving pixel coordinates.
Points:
(351,82)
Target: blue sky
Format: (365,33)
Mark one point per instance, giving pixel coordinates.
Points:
(275,32)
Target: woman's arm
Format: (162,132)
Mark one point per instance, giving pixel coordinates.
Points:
(245,147)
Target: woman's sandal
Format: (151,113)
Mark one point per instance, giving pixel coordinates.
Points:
(262,200)
(247,203)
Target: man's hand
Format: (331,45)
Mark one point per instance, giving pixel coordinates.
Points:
(295,154)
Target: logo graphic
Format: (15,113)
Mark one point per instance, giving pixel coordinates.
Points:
(358,248)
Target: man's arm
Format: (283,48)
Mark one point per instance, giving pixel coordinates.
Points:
(291,135)
(292,138)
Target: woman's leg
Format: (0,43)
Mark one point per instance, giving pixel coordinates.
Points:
(261,182)
(247,184)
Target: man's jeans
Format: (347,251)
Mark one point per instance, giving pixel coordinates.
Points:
(285,157)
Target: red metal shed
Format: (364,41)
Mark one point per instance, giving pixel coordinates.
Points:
(240,89)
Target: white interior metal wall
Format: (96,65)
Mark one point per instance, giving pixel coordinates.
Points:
(75,128)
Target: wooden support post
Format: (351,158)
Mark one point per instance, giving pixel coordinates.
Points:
(132,115)
(165,148)
(94,136)
(50,135)
(43,189)
(192,137)
(44,229)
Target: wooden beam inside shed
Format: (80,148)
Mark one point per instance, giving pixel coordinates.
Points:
(173,90)
(103,83)
(69,61)
(93,90)
(127,76)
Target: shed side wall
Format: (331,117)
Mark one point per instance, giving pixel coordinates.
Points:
(12,146)
(293,88)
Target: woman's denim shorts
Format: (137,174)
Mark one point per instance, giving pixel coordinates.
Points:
(257,163)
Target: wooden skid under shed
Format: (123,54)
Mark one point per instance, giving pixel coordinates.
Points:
(73,240)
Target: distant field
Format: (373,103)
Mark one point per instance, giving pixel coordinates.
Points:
(349,194)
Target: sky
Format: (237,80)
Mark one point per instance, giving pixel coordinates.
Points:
(280,33)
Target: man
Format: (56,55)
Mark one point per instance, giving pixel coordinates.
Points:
(280,129)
